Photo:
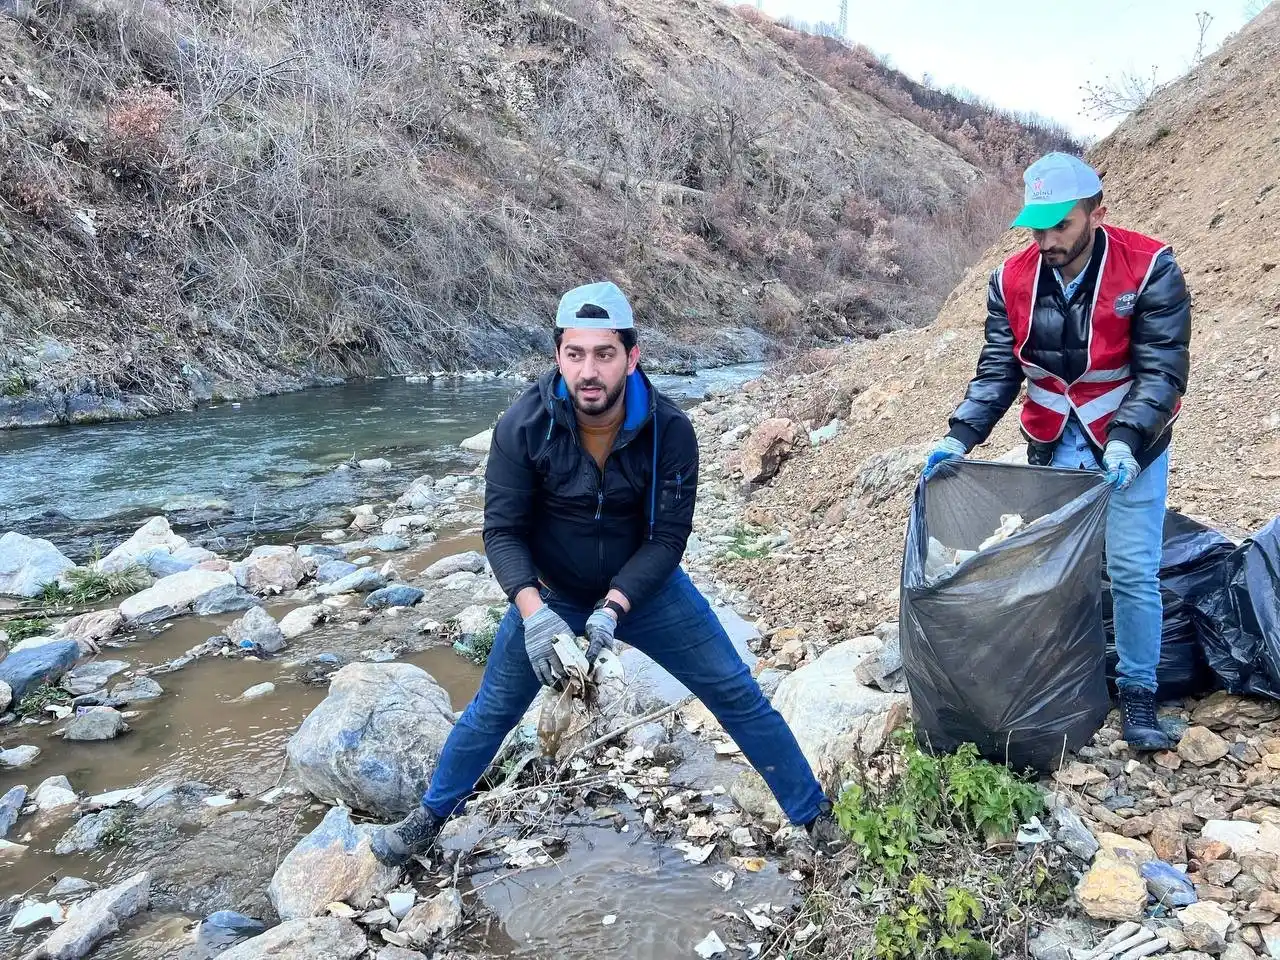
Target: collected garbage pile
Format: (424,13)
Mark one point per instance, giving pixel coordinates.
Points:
(1007,635)
(942,561)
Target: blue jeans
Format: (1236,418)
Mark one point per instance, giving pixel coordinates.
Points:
(1135,538)
(677,629)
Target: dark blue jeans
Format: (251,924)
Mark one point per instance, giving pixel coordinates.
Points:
(677,629)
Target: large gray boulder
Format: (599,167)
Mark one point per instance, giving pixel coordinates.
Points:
(373,741)
(332,938)
(174,595)
(28,564)
(833,716)
(333,862)
(96,723)
(91,921)
(25,670)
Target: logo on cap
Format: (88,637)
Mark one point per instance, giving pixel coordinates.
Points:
(1038,190)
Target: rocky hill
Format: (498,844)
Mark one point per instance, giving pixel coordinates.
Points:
(1198,168)
(215,199)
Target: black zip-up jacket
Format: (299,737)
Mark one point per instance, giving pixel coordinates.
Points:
(552,515)
(1159,356)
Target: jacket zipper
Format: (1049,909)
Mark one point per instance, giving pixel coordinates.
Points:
(679,486)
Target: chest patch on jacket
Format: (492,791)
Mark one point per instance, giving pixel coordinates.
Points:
(1125,304)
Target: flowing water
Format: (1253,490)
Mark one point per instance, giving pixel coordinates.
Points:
(258,470)
(272,462)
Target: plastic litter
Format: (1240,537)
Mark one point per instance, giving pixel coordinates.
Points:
(1168,884)
(1238,617)
(1008,651)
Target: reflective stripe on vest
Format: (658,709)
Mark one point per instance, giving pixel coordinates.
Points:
(1097,394)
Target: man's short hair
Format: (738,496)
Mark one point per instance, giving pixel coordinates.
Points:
(1090,204)
(626,335)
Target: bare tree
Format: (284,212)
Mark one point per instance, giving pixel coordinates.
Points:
(1128,92)
(741,108)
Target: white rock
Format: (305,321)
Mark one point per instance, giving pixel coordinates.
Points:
(55,793)
(173,595)
(398,525)
(302,620)
(96,918)
(832,715)
(19,756)
(33,914)
(6,696)
(29,564)
(9,849)
(469,562)
(480,443)
(376,465)
(258,690)
(400,902)
(1244,838)
(155,533)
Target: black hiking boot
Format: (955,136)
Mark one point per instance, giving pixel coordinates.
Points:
(1140,728)
(397,844)
(824,833)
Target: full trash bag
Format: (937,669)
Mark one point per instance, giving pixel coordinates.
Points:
(1238,618)
(1007,651)
(1189,565)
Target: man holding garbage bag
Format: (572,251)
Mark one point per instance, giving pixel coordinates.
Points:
(589,498)
(1097,320)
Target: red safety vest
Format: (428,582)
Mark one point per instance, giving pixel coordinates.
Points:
(1097,394)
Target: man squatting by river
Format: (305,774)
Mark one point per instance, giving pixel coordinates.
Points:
(590,490)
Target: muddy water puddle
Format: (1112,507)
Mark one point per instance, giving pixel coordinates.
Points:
(217,844)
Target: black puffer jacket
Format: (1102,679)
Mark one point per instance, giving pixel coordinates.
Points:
(1159,356)
(550,514)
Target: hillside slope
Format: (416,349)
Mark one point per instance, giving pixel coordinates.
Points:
(1198,168)
(217,198)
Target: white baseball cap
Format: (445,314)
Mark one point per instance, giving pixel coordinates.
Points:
(605,297)
(1052,186)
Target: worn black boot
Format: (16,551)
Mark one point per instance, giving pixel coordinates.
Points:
(1140,727)
(824,833)
(397,844)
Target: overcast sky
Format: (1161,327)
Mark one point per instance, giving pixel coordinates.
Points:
(1029,56)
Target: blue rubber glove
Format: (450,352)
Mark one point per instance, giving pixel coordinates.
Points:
(948,448)
(599,632)
(1121,465)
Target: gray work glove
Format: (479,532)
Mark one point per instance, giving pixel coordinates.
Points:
(1120,464)
(540,632)
(599,631)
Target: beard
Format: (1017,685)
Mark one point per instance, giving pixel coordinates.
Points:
(1059,257)
(599,404)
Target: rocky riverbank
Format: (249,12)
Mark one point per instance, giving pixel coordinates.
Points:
(1174,848)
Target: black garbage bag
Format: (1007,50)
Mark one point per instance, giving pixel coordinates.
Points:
(1007,651)
(1189,566)
(1238,618)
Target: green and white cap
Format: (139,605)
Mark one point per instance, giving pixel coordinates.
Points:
(597,306)
(1052,186)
